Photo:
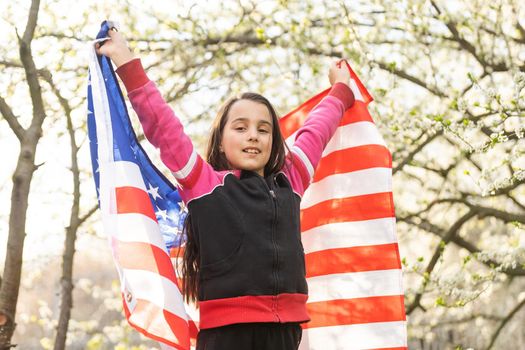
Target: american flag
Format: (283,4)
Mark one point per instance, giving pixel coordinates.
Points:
(347,219)
(141,213)
(353,267)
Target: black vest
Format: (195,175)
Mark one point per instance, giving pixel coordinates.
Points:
(248,233)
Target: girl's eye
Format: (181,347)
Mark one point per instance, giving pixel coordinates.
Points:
(264,131)
(240,128)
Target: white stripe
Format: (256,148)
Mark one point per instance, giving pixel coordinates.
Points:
(350,135)
(355,183)
(133,227)
(154,288)
(353,135)
(185,171)
(354,285)
(113,175)
(100,108)
(304,158)
(356,336)
(355,89)
(192,311)
(349,234)
(127,174)
(104,133)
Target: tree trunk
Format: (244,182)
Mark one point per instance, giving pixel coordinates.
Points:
(21,182)
(15,243)
(66,282)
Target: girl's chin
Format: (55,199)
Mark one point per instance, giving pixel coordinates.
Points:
(255,169)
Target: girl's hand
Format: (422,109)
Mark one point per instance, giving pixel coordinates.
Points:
(339,73)
(116,48)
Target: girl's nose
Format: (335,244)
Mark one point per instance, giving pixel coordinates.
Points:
(252,135)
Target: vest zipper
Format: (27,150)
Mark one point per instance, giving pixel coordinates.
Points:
(276,251)
(275,273)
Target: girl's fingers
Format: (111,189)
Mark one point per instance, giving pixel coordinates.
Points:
(99,48)
(340,62)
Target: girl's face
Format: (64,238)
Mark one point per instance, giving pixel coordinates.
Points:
(247,136)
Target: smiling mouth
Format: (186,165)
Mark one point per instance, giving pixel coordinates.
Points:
(251,151)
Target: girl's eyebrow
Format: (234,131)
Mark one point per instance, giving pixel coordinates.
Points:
(244,119)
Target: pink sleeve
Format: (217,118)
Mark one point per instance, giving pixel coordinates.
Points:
(314,135)
(162,127)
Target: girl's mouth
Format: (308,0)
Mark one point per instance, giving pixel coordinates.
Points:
(251,150)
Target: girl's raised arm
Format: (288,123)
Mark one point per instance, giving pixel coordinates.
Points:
(116,48)
(319,127)
(161,126)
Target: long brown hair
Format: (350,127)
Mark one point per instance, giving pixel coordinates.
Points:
(191,259)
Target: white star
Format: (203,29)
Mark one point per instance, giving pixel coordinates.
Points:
(171,229)
(154,191)
(161,213)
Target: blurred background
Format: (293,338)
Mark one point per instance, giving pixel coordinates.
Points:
(448,78)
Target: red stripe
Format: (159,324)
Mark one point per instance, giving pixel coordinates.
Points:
(356,311)
(291,122)
(353,159)
(176,323)
(358,208)
(362,89)
(165,264)
(194,331)
(353,259)
(358,113)
(134,200)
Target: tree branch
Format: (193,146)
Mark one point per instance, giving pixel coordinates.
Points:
(31,22)
(28,63)
(467,46)
(504,323)
(461,242)
(402,74)
(521,30)
(454,229)
(500,214)
(11,119)
(88,214)
(66,295)
(418,149)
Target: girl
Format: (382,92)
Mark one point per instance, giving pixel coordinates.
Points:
(244,261)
